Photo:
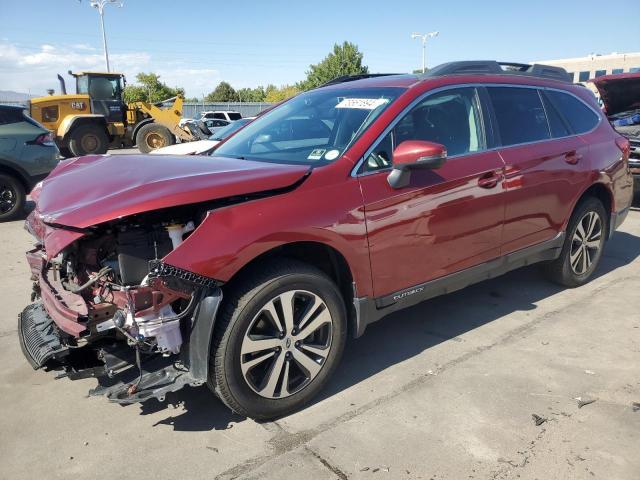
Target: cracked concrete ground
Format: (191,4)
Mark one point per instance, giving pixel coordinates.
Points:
(445,390)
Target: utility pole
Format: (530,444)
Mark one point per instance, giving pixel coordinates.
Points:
(99,5)
(424,38)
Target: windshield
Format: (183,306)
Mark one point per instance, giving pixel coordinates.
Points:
(233,127)
(312,128)
(234,115)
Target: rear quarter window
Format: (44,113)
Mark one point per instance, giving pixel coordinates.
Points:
(580,117)
(520,115)
(11,115)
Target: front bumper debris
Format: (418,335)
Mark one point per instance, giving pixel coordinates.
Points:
(113,362)
(39,337)
(160,375)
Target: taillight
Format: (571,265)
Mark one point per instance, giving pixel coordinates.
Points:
(45,139)
(624,146)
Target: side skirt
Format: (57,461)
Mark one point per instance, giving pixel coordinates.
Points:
(370,310)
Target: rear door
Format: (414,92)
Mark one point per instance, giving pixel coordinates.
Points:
(542,164)
(445,220)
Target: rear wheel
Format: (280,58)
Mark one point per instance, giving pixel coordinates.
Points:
(279,337)
(88,140)
(583,245)
(153,136)
(12,197)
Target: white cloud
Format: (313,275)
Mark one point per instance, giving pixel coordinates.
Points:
(33,69)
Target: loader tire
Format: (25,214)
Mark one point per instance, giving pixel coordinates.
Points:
(88,140)
(153,136)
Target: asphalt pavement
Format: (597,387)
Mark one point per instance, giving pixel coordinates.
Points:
(484,383)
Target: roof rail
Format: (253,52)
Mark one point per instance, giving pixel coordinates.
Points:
(500,68)
(351,78)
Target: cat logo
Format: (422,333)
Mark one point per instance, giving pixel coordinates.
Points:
(77,105)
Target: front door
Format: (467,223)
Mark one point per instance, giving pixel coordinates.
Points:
(106,98)
(445,220)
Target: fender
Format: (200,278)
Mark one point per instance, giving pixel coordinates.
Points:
(72,120)
(231,237)
(12,168)
(137,127)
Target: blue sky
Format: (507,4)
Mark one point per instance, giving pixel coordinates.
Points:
(251,43)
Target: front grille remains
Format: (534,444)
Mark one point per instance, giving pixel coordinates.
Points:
(164,270)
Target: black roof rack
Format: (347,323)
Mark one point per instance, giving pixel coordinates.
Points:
(351,78)
(500,68)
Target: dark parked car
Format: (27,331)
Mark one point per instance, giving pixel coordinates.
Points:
(27,155)
(247,270)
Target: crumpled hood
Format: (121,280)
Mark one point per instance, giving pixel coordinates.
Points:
(619,93)
(86,191)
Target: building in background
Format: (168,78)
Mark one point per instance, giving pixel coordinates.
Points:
(595,65)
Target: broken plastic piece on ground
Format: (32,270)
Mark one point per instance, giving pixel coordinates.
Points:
(537,419)
(160,376)
(582,401)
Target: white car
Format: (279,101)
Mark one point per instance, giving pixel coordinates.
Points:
(203,147)
(229,115)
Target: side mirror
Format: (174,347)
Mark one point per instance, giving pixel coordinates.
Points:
(414,154)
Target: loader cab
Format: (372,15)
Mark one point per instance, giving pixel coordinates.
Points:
(105,91)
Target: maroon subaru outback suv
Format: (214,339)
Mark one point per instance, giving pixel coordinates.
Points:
(247,269)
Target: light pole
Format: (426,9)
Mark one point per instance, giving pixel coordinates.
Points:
(424,38)
(99,5)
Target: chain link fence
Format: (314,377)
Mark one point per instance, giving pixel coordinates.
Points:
(192,110)
(246,109)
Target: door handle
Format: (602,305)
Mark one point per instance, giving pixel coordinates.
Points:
(572,158)
(489,180)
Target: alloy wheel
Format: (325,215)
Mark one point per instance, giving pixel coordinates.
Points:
(8,198)
(586,243)
(287,344)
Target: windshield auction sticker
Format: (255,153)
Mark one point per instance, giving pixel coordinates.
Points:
(316,154)
(362,103)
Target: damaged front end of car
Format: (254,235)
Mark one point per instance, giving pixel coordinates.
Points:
(108,306)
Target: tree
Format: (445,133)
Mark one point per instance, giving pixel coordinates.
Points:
(224,92)
(149,89)
(345,59)
(278,94)
(257,94)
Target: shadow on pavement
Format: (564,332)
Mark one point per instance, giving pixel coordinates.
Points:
(404,334)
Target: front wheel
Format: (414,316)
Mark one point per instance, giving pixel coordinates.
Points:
(279,337)
(153,136)
(583,245)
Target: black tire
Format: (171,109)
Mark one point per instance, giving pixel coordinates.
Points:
(65,152)
(88,140)
(12,197)
(561,270)
(153,136)
(242,303)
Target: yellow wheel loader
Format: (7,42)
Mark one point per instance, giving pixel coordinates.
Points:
(96,118)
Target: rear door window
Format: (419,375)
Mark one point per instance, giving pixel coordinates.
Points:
(580,117)
(519,114)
